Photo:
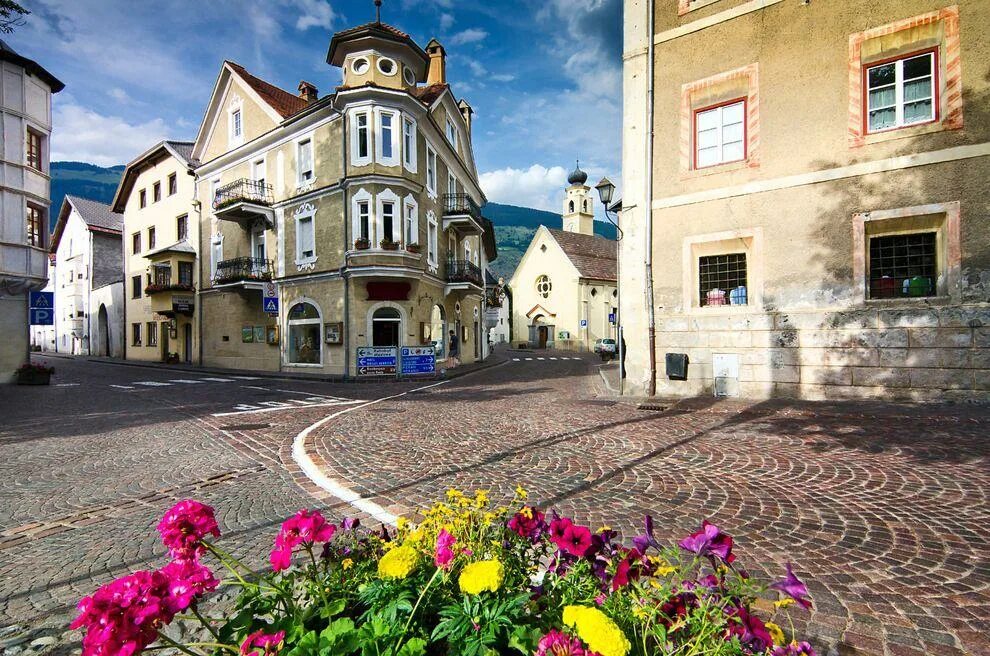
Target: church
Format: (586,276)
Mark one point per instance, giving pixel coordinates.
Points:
(564,289)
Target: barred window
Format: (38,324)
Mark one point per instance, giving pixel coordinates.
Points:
(722,279)
(903,266)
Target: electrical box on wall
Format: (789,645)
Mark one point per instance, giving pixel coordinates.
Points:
(725,366)
(677,366)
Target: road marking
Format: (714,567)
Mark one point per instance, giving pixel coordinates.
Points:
(66,385)
(541,358)
(275,406)
(246,377)
(219,380)
(335,489)
(515,359)
(151,383)
(254,387)
(122,386)
(555,358)
(185,380)
(528,359)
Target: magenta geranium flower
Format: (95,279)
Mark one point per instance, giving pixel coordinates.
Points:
(185,525)
(444,555)
(709,541)
(187,582)
(792,586)
(263,643)
(123,616)
(528,523)
(558,643)
(794,649)
(305,527)
(628,569)
(750,630)
(577,540)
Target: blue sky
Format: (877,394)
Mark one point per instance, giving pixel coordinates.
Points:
(543,75)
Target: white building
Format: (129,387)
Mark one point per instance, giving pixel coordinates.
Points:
(88,279)
(25,108)
(498,317)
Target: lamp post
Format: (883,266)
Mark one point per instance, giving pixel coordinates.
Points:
(606,190)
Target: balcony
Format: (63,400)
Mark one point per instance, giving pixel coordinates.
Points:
(461,213)
(243,271)
(463,275)
(161,282)
(245,201)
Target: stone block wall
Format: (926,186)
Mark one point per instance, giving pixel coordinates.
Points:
(923,354)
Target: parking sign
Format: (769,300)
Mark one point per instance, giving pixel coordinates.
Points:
(41,308)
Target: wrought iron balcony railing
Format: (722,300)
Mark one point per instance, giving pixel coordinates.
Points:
(243,269)
(161,281)
(243,190)
(464,271)
(461,204)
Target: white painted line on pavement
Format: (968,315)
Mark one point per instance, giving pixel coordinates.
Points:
(528,359)
(515,359)
(122,386)
(246,377)
(219,380)
(541,358)
(274,406)
(263,389)
(66,385)
(151,383)
(337,490)
(185,380)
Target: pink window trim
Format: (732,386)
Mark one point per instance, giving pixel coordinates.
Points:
(689,91)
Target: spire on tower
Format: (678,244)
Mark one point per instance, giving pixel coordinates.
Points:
(378,11)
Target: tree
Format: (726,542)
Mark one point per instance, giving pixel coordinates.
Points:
(11,15)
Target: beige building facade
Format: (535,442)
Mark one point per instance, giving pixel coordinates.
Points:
(156,197)
(360,209)
(809,216)
(564,292)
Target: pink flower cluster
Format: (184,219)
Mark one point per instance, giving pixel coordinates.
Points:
(123,616)
(305,527)
(570,537)
(557,643)
(444,554)
(528,523)
(263,644)
(185,525)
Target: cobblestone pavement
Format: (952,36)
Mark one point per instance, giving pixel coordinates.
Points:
(883,509)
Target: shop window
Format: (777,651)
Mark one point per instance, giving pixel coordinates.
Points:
(304,327)
(386,324)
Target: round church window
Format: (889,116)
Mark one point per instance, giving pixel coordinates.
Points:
(543,286)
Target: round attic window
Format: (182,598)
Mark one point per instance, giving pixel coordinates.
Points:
(386,66)
(409,76)
(360,66)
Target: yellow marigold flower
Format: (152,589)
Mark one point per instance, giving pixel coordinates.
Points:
(453,493)
(401,523)
(481,576)
(521,493)
(597,630)
(604,528)
(347,563)
(776,633)
(489,518)
(664,570)
(398,563)
(783,603)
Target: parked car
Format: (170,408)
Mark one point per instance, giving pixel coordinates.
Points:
(605,348)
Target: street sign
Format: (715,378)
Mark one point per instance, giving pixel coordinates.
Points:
(269,298)
(611,317)
(377,360)
(418,360)
(584,323)
(41,308)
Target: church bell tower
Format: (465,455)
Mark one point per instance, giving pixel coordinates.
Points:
(579,206)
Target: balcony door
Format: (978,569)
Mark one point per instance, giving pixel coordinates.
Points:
(258,254)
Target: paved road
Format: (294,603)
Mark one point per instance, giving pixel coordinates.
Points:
(883,509)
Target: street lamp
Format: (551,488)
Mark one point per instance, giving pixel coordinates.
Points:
(606,190)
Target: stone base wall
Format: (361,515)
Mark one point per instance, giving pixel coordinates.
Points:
(923,354)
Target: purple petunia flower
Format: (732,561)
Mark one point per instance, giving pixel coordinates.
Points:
(792,586)
(709,541)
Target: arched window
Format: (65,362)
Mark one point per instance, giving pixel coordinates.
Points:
(438,330)
(386,325)
(305,342)
(570,206)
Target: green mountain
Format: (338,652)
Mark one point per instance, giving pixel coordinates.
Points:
(514,226)
(84,180)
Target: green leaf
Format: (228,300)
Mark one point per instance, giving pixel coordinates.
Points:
(307,646)
(524,639)
(333,608)
(340,637)
(415,647)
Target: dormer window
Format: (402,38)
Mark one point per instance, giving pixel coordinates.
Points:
(386,66)
(360,66)
(452,133)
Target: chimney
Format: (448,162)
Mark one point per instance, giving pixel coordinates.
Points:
(466,112)
(438,63)
(307,91)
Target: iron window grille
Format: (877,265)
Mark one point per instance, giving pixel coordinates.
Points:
(722,280)
(903,266)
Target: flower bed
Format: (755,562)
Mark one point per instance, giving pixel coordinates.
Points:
(469,579)
(34,374)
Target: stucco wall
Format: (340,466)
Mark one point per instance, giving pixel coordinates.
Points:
(108,261)
(112,334)
(13,326)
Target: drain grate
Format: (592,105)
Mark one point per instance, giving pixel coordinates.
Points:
(651,406)
(244,427)
(388,410)
(599,402)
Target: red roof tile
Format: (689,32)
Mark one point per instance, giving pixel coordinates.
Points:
(428,95)
(283,102)
(593,256)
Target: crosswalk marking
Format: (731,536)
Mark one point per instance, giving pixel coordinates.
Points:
(152,383)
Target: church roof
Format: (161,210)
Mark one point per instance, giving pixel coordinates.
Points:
(593,256)
(577,176)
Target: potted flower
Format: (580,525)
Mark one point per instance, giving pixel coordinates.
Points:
(414,248)
(362,244)
(34,374)
(172,358)
(389,245)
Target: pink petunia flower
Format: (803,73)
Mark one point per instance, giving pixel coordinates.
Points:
(792,586)
(794,649)
(577,540)
(185,525)
(558,643)
(305,527)
(444,554)
(528,523)
(709,541)
(267,643)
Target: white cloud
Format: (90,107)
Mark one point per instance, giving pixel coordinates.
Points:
(315,13)
(477,68)
(538,186)
(470,35)
(120,96)
(503,77)
(446,21)
(83,135)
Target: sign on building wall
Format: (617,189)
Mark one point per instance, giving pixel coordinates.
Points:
(41,307)
(418,360)
(269,299)
(333,332)
(377,360)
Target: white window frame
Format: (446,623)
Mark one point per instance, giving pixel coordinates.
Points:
(235,124)
(216,253)
(300,143)
(451,181)
(451,133)
(431,171)
(898,85)
(410,220)
(393,136)
(719,130)
(263,169)
(214,185)
(432,239)
(289,323)
(356,158)
(409,143)
(388,196)
(306,211)
(362,196)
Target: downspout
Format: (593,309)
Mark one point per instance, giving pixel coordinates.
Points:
(347,222)
(198,298)
(651,312)
(89,295)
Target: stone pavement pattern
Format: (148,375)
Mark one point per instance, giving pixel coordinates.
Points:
(882,509)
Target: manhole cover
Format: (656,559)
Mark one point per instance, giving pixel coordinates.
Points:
(651,406)
(244,427)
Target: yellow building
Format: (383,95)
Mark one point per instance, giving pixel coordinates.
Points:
(161,238)
(805,198)
(362,207)
(563,290)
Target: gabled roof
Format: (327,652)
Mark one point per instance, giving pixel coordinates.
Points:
(180,150)
(282,101)
(9,54)
(591,255)
(98,217)
(428,95)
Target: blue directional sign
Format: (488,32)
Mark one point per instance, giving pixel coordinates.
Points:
(377,360)
(41,308)
(418,360)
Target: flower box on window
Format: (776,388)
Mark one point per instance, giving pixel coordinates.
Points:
(414,248)
(389,245)
(362,244)
(34,374)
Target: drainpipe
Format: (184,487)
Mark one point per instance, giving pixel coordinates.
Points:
(651,312)
(347,222)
